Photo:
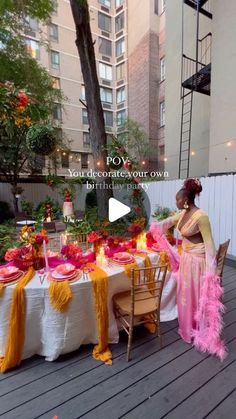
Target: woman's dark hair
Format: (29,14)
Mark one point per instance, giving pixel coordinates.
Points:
(191,188)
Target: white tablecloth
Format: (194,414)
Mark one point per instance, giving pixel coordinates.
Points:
(50,333)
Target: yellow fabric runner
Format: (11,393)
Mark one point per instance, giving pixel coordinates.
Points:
(2,286)
(16,331)
(100,289)
(60,295)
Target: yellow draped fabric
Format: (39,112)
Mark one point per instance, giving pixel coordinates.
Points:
(2,286)
(60,295)
(16,331)
(100,289)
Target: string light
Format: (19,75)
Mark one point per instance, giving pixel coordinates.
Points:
(58,150)
(98,163)
(64,153)
(88,161)
(143,162)
(193,153)
(228,144)
(165,159)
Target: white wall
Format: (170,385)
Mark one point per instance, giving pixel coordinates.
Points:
(36,192)
(223,83)
(201,103)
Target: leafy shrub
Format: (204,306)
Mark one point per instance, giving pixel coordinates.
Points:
(91,199)
(5,212)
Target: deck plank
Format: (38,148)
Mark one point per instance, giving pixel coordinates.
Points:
(174,382)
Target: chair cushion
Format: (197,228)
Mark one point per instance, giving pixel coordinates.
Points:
(142,307)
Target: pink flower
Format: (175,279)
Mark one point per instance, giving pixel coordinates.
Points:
(72,251)
(12,254)
(93,236)
(134,228)
(23,99)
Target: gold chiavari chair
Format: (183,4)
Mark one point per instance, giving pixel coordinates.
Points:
(141,304)
(220,257)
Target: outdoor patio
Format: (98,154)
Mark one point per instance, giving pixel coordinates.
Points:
(175,382)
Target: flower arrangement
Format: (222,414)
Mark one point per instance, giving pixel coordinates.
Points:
(94,236)
(72,251)
(34,239)
(16,106)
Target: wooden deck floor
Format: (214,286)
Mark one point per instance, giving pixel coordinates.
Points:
(176,382)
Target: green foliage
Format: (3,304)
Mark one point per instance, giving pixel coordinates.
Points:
(135,139)
(7,238)
(91,199)
(79,227)
(91,215)
(39,212)
(27,207)
(161,213)
(41,139)
(5,211)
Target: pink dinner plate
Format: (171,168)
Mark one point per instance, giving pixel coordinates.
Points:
(123,258)
(65,269)
(77,273)
(8,271)
(12,278)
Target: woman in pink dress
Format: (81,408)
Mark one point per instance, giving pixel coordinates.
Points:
(198,287)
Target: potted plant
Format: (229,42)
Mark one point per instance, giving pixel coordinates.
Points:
(41,139)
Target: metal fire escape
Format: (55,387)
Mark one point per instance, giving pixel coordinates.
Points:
(195,77)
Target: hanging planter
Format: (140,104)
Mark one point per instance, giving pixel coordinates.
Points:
(41,139)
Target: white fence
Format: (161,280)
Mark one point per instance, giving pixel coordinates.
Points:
(36,192)
(218,199)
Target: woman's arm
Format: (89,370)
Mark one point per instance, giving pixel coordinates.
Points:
(164,225)
(205,230)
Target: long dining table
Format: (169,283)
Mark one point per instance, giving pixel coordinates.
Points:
(50,333)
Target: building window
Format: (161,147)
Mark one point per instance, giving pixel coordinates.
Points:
(56,84)
(106,3)
(162,114)
(162,69)
(57,112)
(120,71)
(119,3)
(85,116)
(120,22)
(31,23)
(86,140)
(53,32)
(121,117)
(162,150)
(105,71)
(33,48)
(55,59)
(65,160)
(83,93)
(120,95)
(106,95)
(84,161)
(108,117)
(120,47)
(161,6)
(105,46)
(104,22)
(55,7)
